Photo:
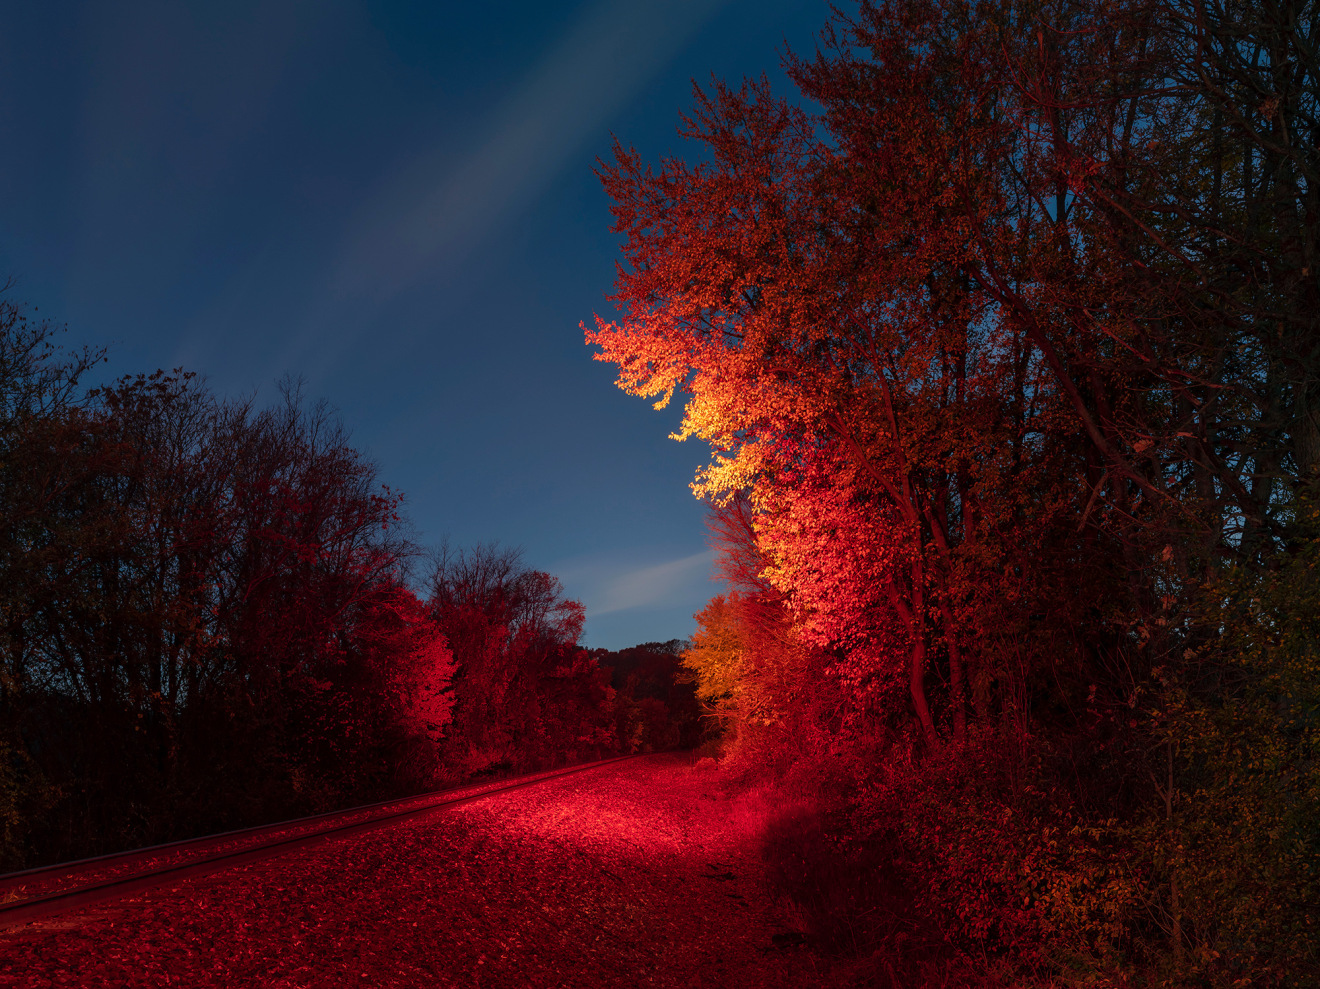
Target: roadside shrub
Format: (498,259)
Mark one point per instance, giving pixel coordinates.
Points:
(1239,839)
(847,897)
(998,862)
(26,795)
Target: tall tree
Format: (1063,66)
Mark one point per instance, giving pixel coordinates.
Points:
(1008,345)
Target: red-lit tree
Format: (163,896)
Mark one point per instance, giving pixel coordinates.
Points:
(203,619)
(1008,345)
(525,692)
(850,389)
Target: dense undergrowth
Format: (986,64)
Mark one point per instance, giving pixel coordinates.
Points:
(996,860)
(983,863)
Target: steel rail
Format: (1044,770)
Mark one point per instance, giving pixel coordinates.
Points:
(262,842)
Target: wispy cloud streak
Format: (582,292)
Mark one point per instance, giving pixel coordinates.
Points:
(606,588)
(429,213)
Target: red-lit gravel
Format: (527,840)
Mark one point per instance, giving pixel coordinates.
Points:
(635,874)
(77,875)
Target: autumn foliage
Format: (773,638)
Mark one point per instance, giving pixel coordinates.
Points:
(210,618)
(1003,343)
(655,700)
(525,690)
(205,618)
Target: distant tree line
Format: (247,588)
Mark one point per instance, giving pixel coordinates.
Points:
(656,706)
(207,621)
(1004,337)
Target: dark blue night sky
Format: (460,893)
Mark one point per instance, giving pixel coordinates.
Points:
(396,203)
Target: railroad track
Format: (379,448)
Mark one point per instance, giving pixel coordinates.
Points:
(38,893)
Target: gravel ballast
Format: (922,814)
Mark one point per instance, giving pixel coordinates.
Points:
(639,873)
